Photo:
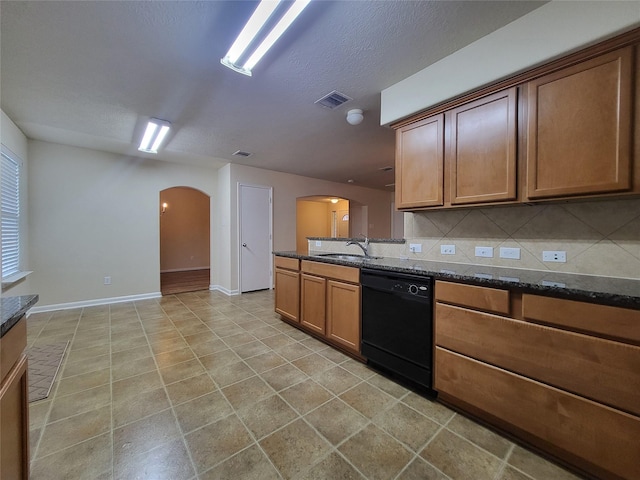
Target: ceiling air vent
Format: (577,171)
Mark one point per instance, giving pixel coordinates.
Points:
(333,100)
(240,153)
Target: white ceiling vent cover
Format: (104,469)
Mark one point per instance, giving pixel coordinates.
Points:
(333,100)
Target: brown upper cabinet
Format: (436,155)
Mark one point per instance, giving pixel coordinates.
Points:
(580,128)
(463,156)
(481,153)
(419,164)
(569,129)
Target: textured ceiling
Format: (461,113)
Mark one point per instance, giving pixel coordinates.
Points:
(91,73)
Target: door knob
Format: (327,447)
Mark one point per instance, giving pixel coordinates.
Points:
(244,244)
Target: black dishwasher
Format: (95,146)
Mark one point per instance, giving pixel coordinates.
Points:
(397,325)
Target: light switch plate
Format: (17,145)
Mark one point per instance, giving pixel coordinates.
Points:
(484,252)
(508,252)
(415,247)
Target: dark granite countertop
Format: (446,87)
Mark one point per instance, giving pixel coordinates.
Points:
(13,308)
(618,292)
(359,239)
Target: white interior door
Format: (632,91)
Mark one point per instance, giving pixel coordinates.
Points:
(255,236)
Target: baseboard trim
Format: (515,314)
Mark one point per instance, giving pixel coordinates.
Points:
(95,302)
(226,291)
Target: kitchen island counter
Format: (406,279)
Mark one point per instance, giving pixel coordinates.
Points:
(13,308)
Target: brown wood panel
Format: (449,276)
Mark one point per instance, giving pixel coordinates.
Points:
(14,423)
(286,262)
(313,294)
(328,270)
(13,344)
(287,295)
(613,322)
(343,314)
(602,370)
(420,163)
(481,155)
(481,298)
(579,128)
(600,435)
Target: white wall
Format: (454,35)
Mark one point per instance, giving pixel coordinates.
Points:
(286,189)
(94,214)
(554,29)
(15,141)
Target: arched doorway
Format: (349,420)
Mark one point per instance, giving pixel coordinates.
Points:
(321,216)
(185,257)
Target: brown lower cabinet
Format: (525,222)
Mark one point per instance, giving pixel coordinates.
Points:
(287,283)
(561,386)
(321,298)
(14,407)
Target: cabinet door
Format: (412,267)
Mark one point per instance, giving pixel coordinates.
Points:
(287,301)
(602,440)
(481,154)
(14,423)
(419,163)
(343,314)
(579,128)
(313,302)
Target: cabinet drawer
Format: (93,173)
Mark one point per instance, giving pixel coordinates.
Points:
(286,262)
(13,344)
(482,298)
(614,322)
(599,438)
(339,272)
(599,369)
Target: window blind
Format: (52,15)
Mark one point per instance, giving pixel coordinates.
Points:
(10,205)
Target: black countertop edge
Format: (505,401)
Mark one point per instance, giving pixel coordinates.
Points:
(359,239)
(619,292)
(13,308)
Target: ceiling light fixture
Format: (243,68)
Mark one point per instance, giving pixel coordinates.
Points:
(355,117)
(334,200)
(154,135)
(248,35)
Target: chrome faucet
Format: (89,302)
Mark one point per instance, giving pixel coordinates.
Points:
(365,247)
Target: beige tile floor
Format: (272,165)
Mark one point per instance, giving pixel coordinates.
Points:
(205,386)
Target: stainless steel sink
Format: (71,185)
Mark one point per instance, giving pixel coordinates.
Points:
(347,257)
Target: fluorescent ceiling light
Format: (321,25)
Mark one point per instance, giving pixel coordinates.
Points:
(154,135)
(248,35)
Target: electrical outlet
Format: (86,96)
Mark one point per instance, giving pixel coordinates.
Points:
(486,276)
(415,247)
(509,279)
(548,283)
(107,280)
(318,243)
(447,249)
(484,252)
(559,256)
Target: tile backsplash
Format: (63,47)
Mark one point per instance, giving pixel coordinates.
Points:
(599,237)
